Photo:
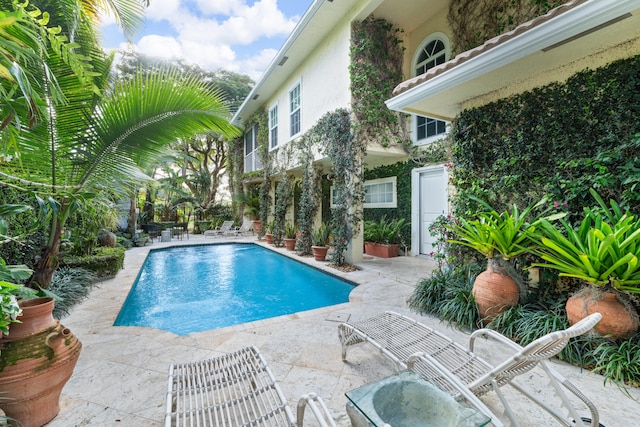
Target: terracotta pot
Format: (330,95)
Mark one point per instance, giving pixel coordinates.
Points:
(36,361)
(257,226)
(320,252)
(617,321)
(290,244)
(494,292)
(381,250)
(269,238)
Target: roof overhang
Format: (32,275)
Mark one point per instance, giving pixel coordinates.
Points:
(522,59)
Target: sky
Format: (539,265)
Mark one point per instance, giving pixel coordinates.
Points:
(242,36)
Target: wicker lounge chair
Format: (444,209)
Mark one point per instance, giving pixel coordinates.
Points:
(456,369)
(237,389)
(219,231)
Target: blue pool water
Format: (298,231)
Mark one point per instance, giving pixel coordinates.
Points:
(198,288)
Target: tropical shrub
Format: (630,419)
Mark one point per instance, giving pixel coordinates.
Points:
(384,231)
(104,262)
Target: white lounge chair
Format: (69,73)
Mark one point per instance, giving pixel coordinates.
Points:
(237,389)
(219,231)
(457,370)
(245,228)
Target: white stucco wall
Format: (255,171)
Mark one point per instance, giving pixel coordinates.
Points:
(324,78)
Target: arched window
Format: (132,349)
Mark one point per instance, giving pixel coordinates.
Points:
(433,51)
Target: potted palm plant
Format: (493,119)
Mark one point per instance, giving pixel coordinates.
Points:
(382,238)
(290,234)
(604,253)
(320,239)
(500,237)
(269,227)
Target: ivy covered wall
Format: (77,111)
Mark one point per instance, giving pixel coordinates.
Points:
(557,140)
(402,172)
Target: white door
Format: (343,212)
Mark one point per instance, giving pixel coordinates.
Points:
(430,201)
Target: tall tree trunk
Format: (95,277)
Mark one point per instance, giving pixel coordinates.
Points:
(49,260)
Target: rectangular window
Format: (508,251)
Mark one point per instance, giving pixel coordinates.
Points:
(252,160)
(380,193)
(426,127)
(294,110)
(273,127)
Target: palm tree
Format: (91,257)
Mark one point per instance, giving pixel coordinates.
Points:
(97,138)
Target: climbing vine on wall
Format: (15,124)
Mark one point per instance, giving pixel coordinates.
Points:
(376,69)
(311,190)
(558,141)
(473,22)
(347,156)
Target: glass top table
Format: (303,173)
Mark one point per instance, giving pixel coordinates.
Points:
(407,400)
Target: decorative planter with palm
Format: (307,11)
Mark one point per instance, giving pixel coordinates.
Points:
(290,236)
(320,239)
(268,236)
(382,238)
(603,252)
(500,237)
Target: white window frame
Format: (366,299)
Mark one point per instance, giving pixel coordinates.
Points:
(414,64)
(273,127)
(382,181)
(295,109)
(393,204)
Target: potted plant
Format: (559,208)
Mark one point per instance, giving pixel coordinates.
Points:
(500,237)
(604,253)
(320,239)
(37,353)
(382,238)
(269,227)
(290,234)
(251,202)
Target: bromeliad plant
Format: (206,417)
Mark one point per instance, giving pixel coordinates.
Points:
(604,251)
(320,235)
(492,233)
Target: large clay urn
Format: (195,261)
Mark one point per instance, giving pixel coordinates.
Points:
(618,320)
(36,360)
(494,291)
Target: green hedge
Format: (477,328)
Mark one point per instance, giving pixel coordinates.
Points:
(402,172)
(557,140)
(105,262)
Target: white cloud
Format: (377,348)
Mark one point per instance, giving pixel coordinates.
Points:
(160,46)
(209,32)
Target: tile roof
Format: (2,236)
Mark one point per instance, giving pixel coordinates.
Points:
(486,46)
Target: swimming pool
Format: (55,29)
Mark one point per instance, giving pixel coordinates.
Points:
(197,288)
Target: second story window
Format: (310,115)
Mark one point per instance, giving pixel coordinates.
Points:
(273,127)
(252,160)
(433,52)
(294,110)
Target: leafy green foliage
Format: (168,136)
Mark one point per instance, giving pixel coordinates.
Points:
(556,141)
(347,156)
(384,231)
(320,235)
(71,286)
(447,294)
(105,262)
(375,70)
(290,230)
(604,251)
(619,362)
(491,232)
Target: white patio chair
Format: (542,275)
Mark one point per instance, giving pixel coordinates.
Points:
(457,370)
(219,231)
(245,228)
(237,389)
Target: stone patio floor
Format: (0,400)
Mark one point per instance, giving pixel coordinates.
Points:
(121,376)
